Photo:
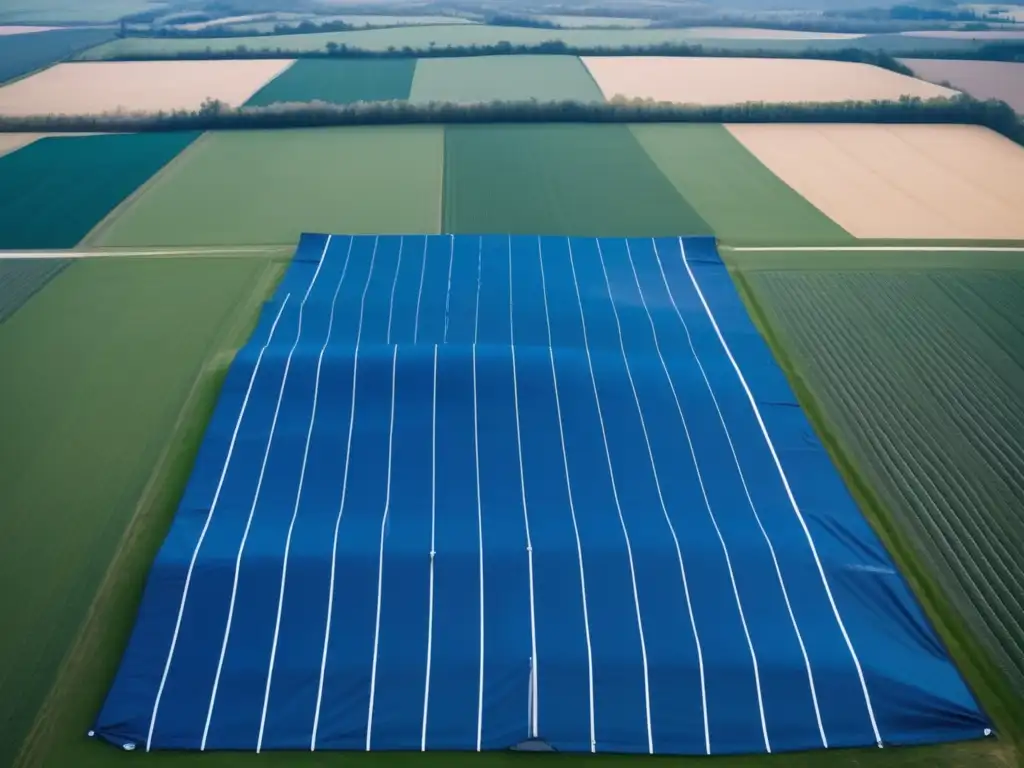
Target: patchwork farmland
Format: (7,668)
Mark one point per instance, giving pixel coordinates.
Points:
(139,262)
(427,36)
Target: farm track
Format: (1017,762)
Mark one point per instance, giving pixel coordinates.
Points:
(921,374)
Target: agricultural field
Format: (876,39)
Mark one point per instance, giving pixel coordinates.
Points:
(339,81)
(26,53)
(713,81)
(53,191)
(755,33)
(425,36)
(264,25)
(22,30)
(578,22)
(267,187)
(381,20)
(68,11)
(930,437)
(553,179)
(21,279)
(915,361)
(1003,80)
(90,429)
(503,78)
(739,199)
(143,86)
(899,181)
(744,183)
(985,34)
(10,142)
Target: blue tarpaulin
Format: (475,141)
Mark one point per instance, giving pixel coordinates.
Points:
(479,492)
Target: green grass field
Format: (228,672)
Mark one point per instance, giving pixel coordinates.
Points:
(339,81)
(589,180)
(99,367)
(504,78)
(919,371)
(55,190)
(740,199)
(21,279)
(267,187)
(424,36)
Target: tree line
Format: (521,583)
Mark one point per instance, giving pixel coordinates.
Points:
(553,47)
(1004,50)
(214,115)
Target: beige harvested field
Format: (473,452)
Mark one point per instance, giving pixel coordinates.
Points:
(956,34)
(900,181)
(755,33)
(9,30)
(137,86)
(1002,80)
(738,80)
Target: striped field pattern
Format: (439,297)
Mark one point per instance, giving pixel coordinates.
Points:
(922,374)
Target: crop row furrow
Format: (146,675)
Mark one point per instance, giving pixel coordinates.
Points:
(997,292)
(850,372)
(967,577)
(901,380)
(995,447)
(852,364)
(911,426)
(953,393)
(962,579)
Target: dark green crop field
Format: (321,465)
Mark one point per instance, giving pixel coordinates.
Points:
(21,54)
(339,81)
(588,180)
(55,190)
(919,371)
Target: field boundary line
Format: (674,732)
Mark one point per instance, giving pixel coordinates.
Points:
(789,493)
(896,248)
(36,746)
(118,210)
(190,252)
